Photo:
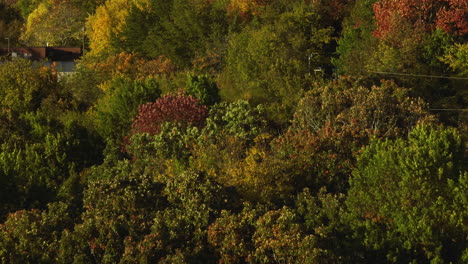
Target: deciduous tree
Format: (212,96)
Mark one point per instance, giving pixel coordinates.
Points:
(404,196)
(268,63)
(104,27)
(114,112)
(176,107)
(55,23)
(450,15)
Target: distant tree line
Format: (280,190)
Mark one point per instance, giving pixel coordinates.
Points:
(236,131)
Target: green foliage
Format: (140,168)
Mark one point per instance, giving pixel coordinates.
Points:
(137,26)
(278,165)
(203,88)
(196,201)
(231,234)
(356,43)
(385,110)
(27,6)
(322,215)
(172,142)
(403,193)
(33,236)
(334,121)
(39,151)
(120,203)
(231,129)
(82,86)
(182,31)
(129,217)
(116,109)
(436,45)
(456,57)
(10,25)
(55,23)
(309,234)
(23,86)
(238,119)
(268,63)
(280,237)
(33,173)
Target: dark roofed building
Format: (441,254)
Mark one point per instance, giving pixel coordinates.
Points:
(63,56)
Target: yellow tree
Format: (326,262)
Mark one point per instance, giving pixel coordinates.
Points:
(457,58)
(245,6)
(54,22)
(108,22)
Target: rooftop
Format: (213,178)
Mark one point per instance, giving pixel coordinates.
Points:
(44,53)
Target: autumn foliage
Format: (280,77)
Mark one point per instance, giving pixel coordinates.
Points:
(454,17)
(245,7)
(128,64)
(422,15)
(235,131)
(173,107)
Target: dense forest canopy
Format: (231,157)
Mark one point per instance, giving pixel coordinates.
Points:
(236,131)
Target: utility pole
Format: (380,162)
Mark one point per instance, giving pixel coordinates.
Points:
(316,68)
(82,51)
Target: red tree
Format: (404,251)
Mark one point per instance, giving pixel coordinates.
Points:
(422,15)
(454,18)
(173,107)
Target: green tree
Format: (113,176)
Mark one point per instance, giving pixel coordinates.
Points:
(310,232)
(356,43)
(457,58)
(41,147)
(182,31)
(231,234)
(115,110)
(26,7)
(10,25)
(23,86)
(33,236)
(119,204)
(404,197)
(196,201)
(173,142)
(268,63)
(55,23)
(332,122)
(231,129)
(203,88)
(34,170)
(239,119)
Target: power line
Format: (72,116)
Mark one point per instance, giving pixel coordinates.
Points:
(449,110)
(419,75)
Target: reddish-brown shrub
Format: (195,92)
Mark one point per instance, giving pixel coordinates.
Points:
(173,107)
(422,15)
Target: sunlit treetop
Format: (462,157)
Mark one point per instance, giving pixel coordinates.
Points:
(108,21)
(425,15)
